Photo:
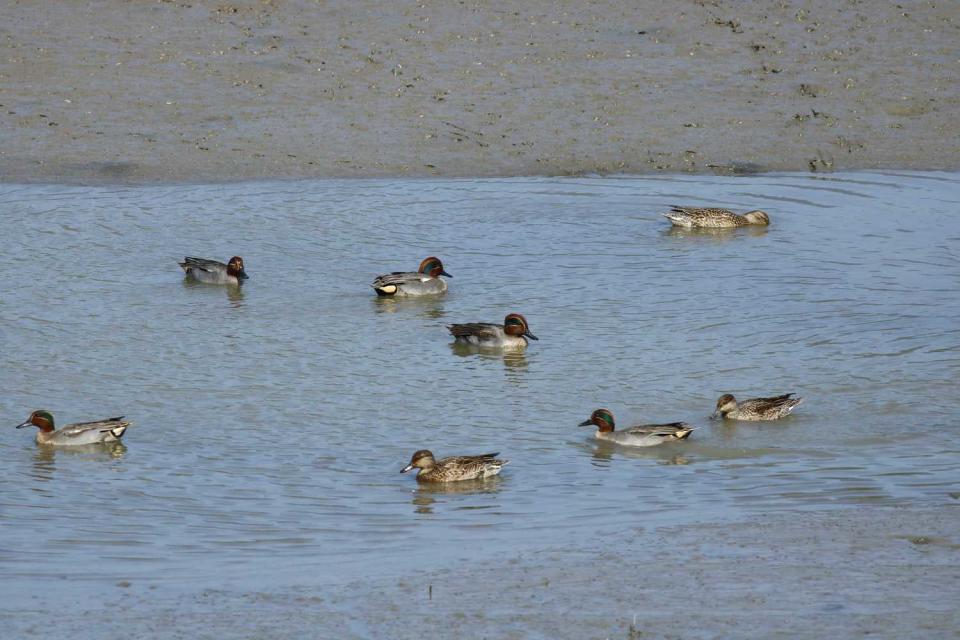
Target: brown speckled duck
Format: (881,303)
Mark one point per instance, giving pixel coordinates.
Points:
(756,408)
(454,468)
(713,218)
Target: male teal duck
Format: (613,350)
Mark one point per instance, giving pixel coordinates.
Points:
(712,218)
(213,272)
(454,468)
(514,333)
(81,433)
(424,281)
(756,408)
(643,435)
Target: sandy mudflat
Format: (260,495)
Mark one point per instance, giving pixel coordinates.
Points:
(182,90)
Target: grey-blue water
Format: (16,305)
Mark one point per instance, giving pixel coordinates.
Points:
(271,422)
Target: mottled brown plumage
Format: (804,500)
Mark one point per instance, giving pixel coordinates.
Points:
(756,408)
(714,218)
(453,468)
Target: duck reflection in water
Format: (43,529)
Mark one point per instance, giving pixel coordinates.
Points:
(234,293)
(45,458)
(428,494)
(603,452)
(715,235)
(430,307)
(515,360)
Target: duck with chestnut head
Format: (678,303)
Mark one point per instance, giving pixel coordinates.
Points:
(514,333)
(771,408)
(714,218)
(81,433)
(454,468)
(643,435)
(213,272)
(424,281)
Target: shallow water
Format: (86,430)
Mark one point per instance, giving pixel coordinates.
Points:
(271,422)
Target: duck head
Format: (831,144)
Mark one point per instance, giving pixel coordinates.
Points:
(757,217)
(432,267)
(235,268)
(41,418)
(725,404)
(516,325)
(602,418)
(422,459)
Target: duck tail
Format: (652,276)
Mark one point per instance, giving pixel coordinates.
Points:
(117,431)
(678,217)
(684,433)
(384,290)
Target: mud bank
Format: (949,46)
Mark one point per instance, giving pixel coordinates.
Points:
(208,91)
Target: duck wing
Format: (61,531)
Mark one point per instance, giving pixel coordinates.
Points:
(485,457)
(398,277)
(782,404)
(210,266)
(667,430)
(481,330)
(469,467)
(108,424)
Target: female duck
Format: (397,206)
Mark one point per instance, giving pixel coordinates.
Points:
(514,333)
(424,282)
(213,272)
(756,408)
(644,435)
(454,468)
(101,431)
(709,218)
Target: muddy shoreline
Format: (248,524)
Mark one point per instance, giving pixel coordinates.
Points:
(111,92)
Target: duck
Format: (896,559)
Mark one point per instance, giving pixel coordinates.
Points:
(756,408)
(81,433)
(514,333)
(213,272)
(424,281)
(643,435)
(713,218)
(454,468)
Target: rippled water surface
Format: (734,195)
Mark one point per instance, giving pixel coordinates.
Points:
(271,422)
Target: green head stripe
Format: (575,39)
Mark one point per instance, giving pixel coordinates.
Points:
(603,414)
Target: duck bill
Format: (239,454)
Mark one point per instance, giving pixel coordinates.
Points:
(24,424)
(531,336)
(585,423)
(444,273)
(243,276)
(406,468)
(715,415)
